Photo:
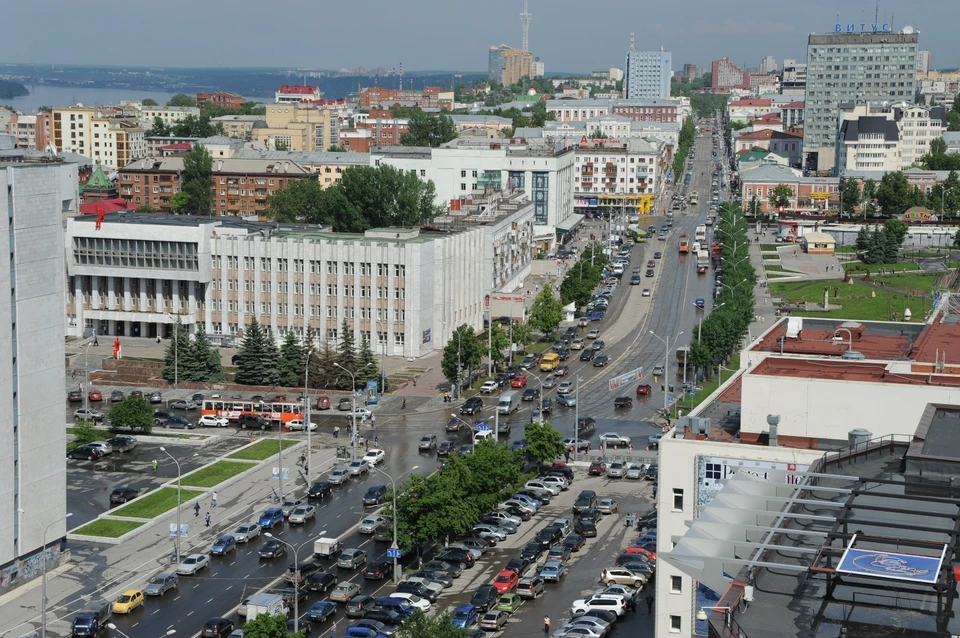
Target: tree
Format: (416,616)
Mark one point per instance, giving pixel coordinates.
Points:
(291,361)
(894,193)
(546,313)
(956,239)
(193,126)
(523,334)
(181,99)
(198,181)
(755,205)
(179,202)
(267,626)
(280,146)
(420,625)
(896,229)
(869,197)
(257,358)
(863,238)
(471,351)
(336,149)
(367,361)
(207,358)
(148,101)
(780,196)
(146,208)
(346,358)
(849,198)
(544,444)
(85,432)
(178,355)
(133,413)
(499,342)
(159,128)
(428,130)
(323,374)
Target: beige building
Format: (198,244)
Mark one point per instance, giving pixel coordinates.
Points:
(110,141)
(299,128)
(239,126)
(30,131)
(328,167)
(170,115)
(518,64)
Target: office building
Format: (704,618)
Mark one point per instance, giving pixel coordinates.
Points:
(647,74)
(635,110)
(239,126)
(31,345)
(111,141)
(295,127)
(430,97)
(405,289)
(297,93)
(725,76)
(225,99)
(793,79)
(862,68)
(923,62)
(690,71)
(768,65)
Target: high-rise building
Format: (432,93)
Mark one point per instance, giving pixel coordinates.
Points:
(923,61)
(768,65)
(517,64)
(496,62)
(647,74)
(793,80)
(726,75)
(97,134)
(690,71)
(32,464)
(862,68)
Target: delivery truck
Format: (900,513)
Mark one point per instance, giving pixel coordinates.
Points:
(270,604)
(92,619)
(326,547)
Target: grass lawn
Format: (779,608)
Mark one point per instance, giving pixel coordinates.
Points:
(155,504)
(923,283)
(709,387)
(769,247)
(845,249)
(855,300)
(108,528)
(856,266)
(775,275)
(263,449)
(920,254)
(538,347)
(776,268)
(215,473)
(771,257)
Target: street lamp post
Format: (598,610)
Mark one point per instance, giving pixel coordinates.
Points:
(576,417)
(666,367)
(393,485)
(176,350)
(86,379)
(306,411)
(353,404)
(164,450)
(43,568)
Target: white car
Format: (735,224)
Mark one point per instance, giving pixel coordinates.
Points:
(593,334)
(571,630)
(374,457)
(193,564)
(212,421)
(432,585)
(577,344)
(362,414)
(540,486)
(415,601)
(369,524)
(489,387)
(302,514)
(103,446)
(612,438)
(297,424)
(607,603)
(503,515)
(556,481)
(622,576)
(358,467)
(645,292)
(246,532)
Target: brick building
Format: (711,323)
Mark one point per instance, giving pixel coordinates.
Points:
(727,75)
(220,98)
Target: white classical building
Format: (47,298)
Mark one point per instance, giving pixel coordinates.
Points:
(403,288)
(33,491)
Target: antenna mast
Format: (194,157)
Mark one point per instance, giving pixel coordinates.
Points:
(401,76)
(525,18)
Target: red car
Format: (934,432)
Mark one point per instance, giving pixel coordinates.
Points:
(641,551)
(651,264)
(323,403)
(644,389)
(519,381)
(506,581)
(96,395)
(597,468)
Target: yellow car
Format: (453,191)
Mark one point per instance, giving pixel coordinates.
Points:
(129,601)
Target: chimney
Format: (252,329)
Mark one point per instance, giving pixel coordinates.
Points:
(773,420)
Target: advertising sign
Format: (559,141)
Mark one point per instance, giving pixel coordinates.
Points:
(371,394)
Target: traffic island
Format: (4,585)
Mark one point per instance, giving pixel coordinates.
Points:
(216,473)
(107,528)
(261,450)
(155,504)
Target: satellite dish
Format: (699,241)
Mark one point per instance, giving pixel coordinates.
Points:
(907,29)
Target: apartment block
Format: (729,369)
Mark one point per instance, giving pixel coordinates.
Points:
(298,128)
(296,93)
(169,115)
(111,141)
(220,98)
(32,463)
(327,167)
(727,76)
(239,126)
(618,167)
(31,131)
(431,97)
(636,110)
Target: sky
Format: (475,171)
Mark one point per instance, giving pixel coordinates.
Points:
(568,35)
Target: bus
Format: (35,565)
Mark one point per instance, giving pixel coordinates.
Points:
(639,235)
(701,234)
(281,412)
(694,198)
(549,362)
(684,244)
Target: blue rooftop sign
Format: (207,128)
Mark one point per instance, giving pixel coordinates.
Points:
(909,567)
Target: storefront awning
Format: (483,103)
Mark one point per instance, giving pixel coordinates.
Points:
(570,224)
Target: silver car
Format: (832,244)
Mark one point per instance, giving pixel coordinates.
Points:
(193,564)
(617,470)
(339,476)
(359,467)
(636,471)
(302,514)
(247,532)
(290,504)
(161,584)
(369,524)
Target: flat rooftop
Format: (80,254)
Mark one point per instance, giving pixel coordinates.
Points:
(888,341)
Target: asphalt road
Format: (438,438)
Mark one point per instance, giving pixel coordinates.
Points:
(230,579)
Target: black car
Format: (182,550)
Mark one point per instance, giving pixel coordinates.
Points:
(609,617)
(378,569)
(587,424)
(563,353)
(561,468)
(600,361)
(122,443)
(178,423)
(75,396)
(518,565)
(383,533)
(378,628)
(532,551)
(586,355)
(456,557)
(635,280)
(652,472)
(301,571)
(85,453)
(359,605)
(437,577)
(253,422)
(586,499)
(472,405)
(649,272)
(587,529)
(623,402)
(445,448)
(591,514)
(320,489)
(321,581)
(271,549)
(550,534)
(547,406)
(440,567)
(657,255)
(574,542)
(123,494)
(530,394)
(485,598)
(116,396)
(375,495)
(386,616)
(501,379)
(417,589)
(217,627)
(522,514)
(303,626)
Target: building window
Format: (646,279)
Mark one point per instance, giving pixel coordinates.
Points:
(399,270)
(398,339)
(677,499)
(541,193)
(383,269)
(676,584)
(713,471)
(331,267)
(675,624)
(399,293)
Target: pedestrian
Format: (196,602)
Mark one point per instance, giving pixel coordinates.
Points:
(333,629)
(196,510)
(373,421)
(546,625)
(336,431)
(366,444)
(96,342)
(207,519)
(158,339)
(632,603)
(73,373)
(649,601)
(213,500)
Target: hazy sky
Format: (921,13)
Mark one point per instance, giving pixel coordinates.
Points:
(439,34)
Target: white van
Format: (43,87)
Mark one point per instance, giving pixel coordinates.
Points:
(509,402)
(482,434)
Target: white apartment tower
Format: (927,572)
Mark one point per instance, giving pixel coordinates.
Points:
(647,75)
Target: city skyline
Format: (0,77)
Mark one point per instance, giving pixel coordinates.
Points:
(745,35)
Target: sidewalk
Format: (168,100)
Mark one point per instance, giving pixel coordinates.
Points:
(105,572)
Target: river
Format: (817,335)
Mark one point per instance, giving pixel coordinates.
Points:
(43,95)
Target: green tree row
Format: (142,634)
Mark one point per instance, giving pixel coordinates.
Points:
(584,276)
(419,625)
(687,138)
(881,245)
(190,126)
(366,197)
(191,359)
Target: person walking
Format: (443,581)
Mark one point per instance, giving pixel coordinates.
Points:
(158,340)
(206,519)
(96,342)
(336,431)
(376,441)
(373,421)
(333,629)
(649,601)
(196,509)
(213,500)
(546,625)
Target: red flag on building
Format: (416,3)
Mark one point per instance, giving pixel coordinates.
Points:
(100,215)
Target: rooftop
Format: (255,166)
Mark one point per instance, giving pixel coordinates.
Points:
(228,165)
(767,134)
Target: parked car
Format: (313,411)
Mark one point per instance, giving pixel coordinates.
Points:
(155,397)
(95,395)
(116,396)
(123,494)
(183,404)
(530,587)
(122,443)
(617,469)
(597,468)
(223,545)
(178,423)
(87,414)
(75,396)
(494,620)
(85,453)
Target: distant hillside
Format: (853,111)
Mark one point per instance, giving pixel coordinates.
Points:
(9,89)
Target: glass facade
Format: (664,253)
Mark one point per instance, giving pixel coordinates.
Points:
(541,195)
(136,253)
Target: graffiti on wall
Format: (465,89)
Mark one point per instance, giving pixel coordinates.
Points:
(26,569)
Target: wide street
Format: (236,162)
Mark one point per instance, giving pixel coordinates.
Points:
(217,592)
